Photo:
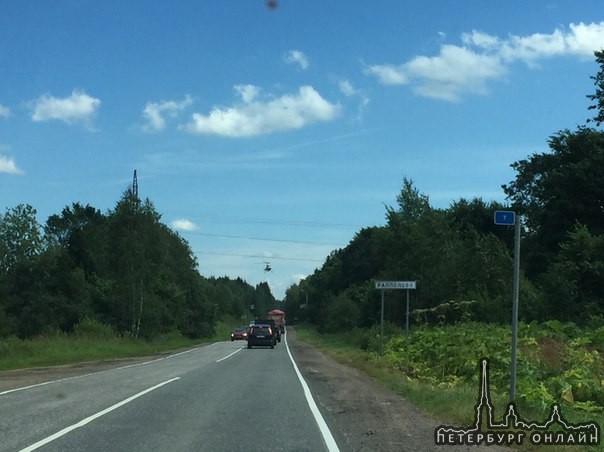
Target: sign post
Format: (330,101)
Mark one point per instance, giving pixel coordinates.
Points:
(382,326)
(397,285)
(407,317)
(509,218)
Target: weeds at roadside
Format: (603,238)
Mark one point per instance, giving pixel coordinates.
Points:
(90,341)
(436,368)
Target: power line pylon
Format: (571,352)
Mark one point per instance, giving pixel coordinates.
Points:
(135,185)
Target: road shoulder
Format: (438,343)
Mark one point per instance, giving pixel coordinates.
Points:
(362,414)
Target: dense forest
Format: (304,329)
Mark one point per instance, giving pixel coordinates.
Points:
(124,269)
(462,261)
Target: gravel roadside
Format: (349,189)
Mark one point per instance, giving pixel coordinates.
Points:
(362,414)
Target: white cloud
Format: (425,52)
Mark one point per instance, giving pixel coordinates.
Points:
(534,47)
(155,112)
(481,58)
(8,165)
(4,111)
(255,116)
(389,74)
(479,39)
(584,39)
(247,92)
(446,76)
(349,90)
(79,107)
(296,57)
(454,71)
(581,40)
(346,88)
(183,225)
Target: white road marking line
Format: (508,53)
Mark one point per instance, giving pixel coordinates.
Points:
(229,355)
(8,391)
(330,442)
(94,416)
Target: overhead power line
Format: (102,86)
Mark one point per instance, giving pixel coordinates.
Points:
(227,219)
(258,256)
(265,239)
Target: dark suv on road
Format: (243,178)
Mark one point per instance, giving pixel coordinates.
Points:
(274,328)
(260,335)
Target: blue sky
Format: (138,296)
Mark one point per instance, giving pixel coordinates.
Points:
(275,134)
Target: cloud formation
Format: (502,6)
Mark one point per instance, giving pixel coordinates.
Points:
(4,111)
(79,107)
(481,58)
(346,88)
(183,224)
(296,57)
(255,115)
(349,90)
(8,165)
(155,112)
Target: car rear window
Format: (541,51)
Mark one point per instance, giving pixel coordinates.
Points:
(261,330)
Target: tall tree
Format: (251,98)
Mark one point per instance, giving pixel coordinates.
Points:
(412,204)
(132,238)
(556,190)
(477,214)
(598,96)
(20,236)
(573,282)
(264,300)
(79,232)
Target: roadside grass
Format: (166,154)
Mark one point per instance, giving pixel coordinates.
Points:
(449,405)
(94,342)
(59,349)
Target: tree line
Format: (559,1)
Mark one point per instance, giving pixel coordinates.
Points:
(462,261)
(124,268)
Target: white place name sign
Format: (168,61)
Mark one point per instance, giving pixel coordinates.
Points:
(395,284)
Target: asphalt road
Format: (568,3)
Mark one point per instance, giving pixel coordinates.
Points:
(213,398)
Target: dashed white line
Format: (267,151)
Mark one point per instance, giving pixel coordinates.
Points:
(94,416)
(229,355)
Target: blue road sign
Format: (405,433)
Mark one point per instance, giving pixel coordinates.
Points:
(505,217)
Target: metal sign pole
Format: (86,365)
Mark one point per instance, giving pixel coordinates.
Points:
(384,285)
(509,218)
(382,327)
(407,320)
(515,296)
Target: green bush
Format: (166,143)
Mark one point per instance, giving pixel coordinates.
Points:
(90,328)
(556,362)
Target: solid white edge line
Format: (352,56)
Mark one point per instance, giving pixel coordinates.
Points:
(330,442)
(229,355)
(94,416)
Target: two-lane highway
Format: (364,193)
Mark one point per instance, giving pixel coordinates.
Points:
(218,397)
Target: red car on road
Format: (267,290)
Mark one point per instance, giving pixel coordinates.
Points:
(239,334)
